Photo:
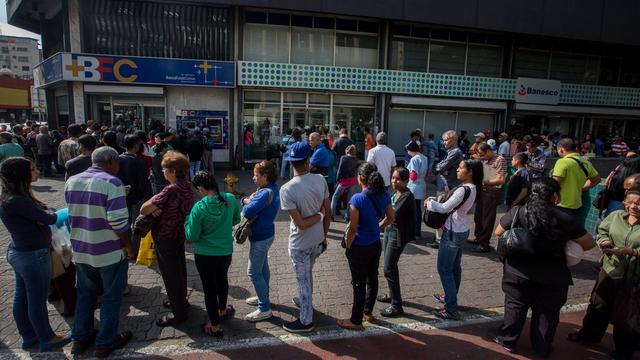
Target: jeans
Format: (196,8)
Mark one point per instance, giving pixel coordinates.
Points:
(613,206)
(134,211)
(194,167)
(393,248)
(283,167)
(419,203)
(449,269)
(258,271)
(247,152)
(430,162)
(303,261)
(33,275)
(213,272)
(45,164)
(336,197)
(108,282)
(363,263)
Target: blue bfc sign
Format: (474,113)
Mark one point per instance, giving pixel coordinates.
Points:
(135,70)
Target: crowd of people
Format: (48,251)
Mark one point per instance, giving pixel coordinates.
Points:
(116,178)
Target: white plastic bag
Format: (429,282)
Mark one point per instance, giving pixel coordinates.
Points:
(574,253)
(61,242)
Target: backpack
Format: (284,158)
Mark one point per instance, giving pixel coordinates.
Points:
(436,220)
(242,231)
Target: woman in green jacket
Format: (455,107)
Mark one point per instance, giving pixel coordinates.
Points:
(209,227)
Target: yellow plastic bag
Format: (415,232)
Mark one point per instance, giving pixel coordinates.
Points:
(147,253)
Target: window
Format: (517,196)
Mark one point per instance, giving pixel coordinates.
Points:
(568,67)
(484,61)
(591,70)
(531,63)
(21,49)
(312,46)
(609,71)
(5,50)
(266,43)
(23,58)
(26,68)
(447,58)
(409,55)
(356,50)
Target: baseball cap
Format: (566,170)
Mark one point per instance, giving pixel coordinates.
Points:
(418,130)
(480,134)
(298,151)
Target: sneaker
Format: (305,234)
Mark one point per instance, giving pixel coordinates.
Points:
(439,298)
(296,301)
(253,301)
(392,311)
(79,347)
(480,249)
(347,324)
(258,315)
(297,327)
(444,314)
(493,335)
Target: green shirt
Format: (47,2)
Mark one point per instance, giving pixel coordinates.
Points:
(617,229)
(573,179)
(9,150)
(210,223)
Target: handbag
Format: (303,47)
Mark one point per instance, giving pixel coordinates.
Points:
(626,309)
(147,254)
(242,231)
(517,241)
(145,223)
(343,243)
(436,220)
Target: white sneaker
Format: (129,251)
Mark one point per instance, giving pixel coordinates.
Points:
(253,301)
(258,315)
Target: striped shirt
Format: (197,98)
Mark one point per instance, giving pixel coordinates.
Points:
(97,214)
(620,149)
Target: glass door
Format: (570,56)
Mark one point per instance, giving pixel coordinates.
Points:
(318,119)
(127,114)
(153,117)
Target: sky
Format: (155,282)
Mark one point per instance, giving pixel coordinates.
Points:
(6,29)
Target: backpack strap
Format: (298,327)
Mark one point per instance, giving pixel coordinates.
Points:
(375,204)
(584,169)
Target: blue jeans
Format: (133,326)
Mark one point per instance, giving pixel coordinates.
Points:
(303,261)
(613,206)
(419,203)
(247,152)
(283,167)
(109,282)
(449,269)
(33,275)
(258,271)
(336,197)
(194,167)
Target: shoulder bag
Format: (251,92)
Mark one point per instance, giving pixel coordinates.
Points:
(242,231)
(436,220)
(145,223)
(517,241)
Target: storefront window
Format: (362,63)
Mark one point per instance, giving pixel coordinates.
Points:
(609,71)
(354,119)
(312,46)
(403,122)
(409,55)
(568,67)
(484,61)
(447,58)
(264,122)
(266,43)
(356,50)
(531,63)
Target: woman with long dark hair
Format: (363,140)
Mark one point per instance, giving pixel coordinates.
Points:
(27,220)
(456,231)
(371,212)
(109,138)
(209,227)
(539,281)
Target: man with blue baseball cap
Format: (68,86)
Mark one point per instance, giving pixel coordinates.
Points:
(306,198)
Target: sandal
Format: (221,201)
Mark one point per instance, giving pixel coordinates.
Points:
(228,313)
(167,304)
(207,329)
(166,320)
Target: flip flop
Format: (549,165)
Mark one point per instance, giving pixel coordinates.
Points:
(229,312)
(165,321)
(207,329)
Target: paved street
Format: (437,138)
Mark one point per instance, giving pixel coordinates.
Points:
(480,293)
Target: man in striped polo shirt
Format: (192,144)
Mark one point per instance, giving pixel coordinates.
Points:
(101,244)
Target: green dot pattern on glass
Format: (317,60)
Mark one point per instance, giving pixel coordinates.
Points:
(322,77)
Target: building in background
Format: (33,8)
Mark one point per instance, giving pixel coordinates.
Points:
(15,98)
(392,65)
(20,55)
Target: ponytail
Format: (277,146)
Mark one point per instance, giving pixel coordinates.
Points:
(206,180)
(371,177)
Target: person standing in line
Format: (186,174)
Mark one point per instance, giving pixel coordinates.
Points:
(536,160)
(306,198)
(321,155)
(262,205)
(418,167)
(79,164)
(194,148)
(371,212)
(9,149)
(68,148)
(519,185)
(396,237)
(383,158)
(172,205)
(619,147)
(209,226)
(287,141)
(456,232)
(575,175)
(445,170)
(473,149)
(45,151)
(27,220)
(431,150)
(488,200)
(101,242)
(340,145)
(248,144)
(207,157)
(158,181)
(346,177)
(368,142)
(540,281)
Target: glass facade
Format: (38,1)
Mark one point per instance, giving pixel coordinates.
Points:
(299,39)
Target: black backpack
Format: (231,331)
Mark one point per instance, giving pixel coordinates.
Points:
(436,220)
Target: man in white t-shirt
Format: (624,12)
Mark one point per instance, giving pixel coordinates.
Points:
(504,147)
(383,157)
(306,198)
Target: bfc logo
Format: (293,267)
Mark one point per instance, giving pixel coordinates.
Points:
(99,68)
